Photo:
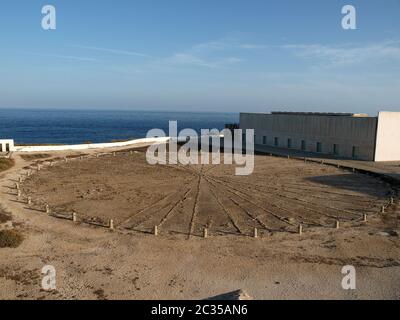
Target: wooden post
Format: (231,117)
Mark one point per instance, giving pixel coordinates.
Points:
(74,217)
(365,217)
(255,234)
(17,185)
(19,194)
(47,209)
(354,170)
(383,209)
(205,233)
(337,224)
(111,224)
(391,200)
(29,200)
(155,231)
(300,229)
(131,152)
(305,160)
(38,167)
(114,154)
(66,159)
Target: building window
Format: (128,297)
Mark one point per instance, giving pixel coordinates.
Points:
(1,147)
(319,147)
(264,139)
(303,145)
(355,152)
(336,149)
(276,142)
(289,143)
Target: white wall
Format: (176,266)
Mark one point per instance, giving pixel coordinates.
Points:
(10,142)
(388,137)
(90,146)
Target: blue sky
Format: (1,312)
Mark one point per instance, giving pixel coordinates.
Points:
(203,55)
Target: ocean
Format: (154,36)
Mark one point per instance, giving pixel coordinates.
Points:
(39,126)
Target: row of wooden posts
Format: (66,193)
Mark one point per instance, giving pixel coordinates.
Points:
(384,207)
(74,217)
(315,161)
(51,163)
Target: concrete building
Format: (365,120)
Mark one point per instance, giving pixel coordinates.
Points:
(344,135)
(6,145)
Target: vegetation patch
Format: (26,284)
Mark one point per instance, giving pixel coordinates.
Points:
(6,164)
(10,238)
(4,216)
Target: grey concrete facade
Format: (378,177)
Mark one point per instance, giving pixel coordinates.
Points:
(343,135)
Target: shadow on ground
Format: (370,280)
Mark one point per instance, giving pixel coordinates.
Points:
(356,183)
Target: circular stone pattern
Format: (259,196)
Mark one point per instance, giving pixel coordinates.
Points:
(277,197)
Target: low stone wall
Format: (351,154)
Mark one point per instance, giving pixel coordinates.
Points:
(90,146)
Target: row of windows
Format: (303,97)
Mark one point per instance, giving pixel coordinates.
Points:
(6,148)
(303,146)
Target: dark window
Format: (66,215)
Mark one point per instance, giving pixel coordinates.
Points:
(336,149)
(289,143)
(276,142)
(355,152)
(7,147)
(303,145)
(1,147)
(264,140)
(319,147)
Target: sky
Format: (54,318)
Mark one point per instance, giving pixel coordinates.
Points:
(201,55)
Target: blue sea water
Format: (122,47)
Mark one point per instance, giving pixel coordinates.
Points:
(36,126)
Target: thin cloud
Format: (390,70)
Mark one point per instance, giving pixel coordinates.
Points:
(203,55)
(336,55)
(60,56)
(328,55)
(249,46)
(190,59)
(230,44)
(114,51)
(210,46)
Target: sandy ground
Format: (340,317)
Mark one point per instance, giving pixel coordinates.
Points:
(131,263)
